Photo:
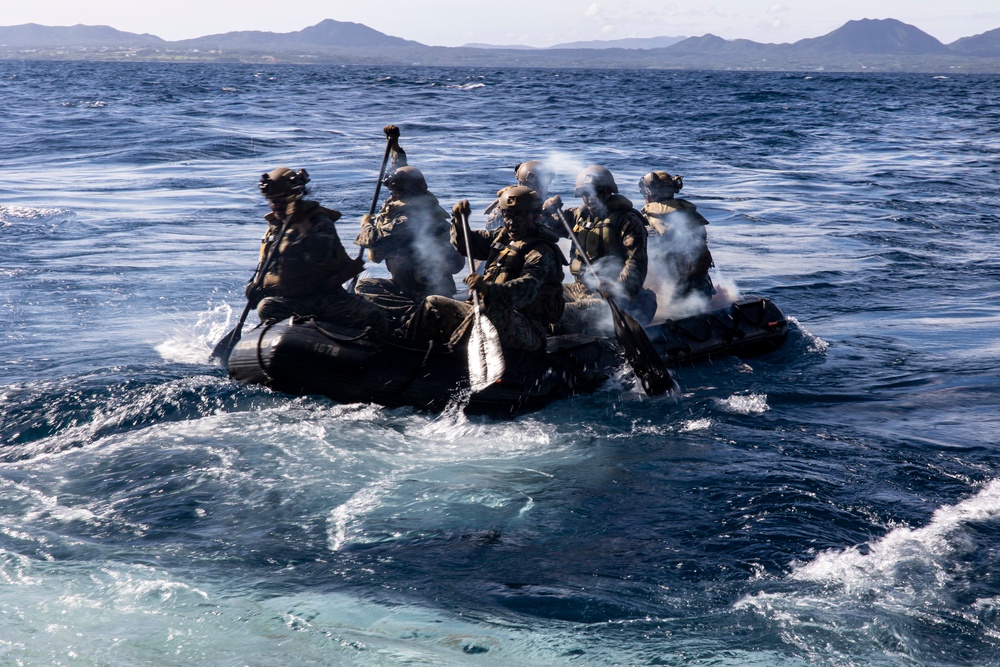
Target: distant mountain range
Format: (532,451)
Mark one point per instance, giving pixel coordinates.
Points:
(867,44)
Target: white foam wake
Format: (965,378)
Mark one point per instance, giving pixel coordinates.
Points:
(903,551)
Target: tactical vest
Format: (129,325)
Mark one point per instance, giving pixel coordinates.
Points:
(290,275)
(656,213)
(506,263)
(600,238)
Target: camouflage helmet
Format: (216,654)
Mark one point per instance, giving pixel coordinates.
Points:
(283,182)
(595,179)
(406,180)
(533,168)
(519,199)
(660,184)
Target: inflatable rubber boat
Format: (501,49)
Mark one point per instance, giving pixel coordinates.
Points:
(304,356)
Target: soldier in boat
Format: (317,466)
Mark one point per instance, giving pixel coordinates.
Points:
(306,274)
(521,288)
(409,234)
(678,245)
(536,176)
(613,236)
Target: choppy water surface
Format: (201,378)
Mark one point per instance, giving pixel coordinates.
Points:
(833,503)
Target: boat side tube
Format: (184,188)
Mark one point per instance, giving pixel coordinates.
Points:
(749,327)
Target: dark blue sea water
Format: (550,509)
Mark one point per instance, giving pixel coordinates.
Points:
(836,502)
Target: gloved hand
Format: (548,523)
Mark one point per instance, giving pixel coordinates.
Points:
(607,287)
(252,292)
(366,237)
(475,281)
(552,204)
(392,132)
(462,209)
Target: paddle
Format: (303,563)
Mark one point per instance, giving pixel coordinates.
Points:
(378,188)
(639,352)
(486,364)
(224,347)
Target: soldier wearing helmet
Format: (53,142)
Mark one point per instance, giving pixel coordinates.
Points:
(536,176)
(521,288)
(405,181)
(613,236)
(309,264)
(409,234)
(679,244)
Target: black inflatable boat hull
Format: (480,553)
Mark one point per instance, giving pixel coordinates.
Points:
(750,327)
(308,357)
(348,366)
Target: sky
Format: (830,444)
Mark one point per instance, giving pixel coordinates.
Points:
(458,22)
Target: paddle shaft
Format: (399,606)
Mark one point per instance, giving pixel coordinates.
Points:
(381,174)
(225,346)
(468,255)
(639,351)
(583,256)
(486,364)
(378,188)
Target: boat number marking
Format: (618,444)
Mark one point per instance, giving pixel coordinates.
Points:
(328,350)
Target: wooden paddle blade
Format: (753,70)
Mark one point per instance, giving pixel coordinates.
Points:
(486,363)
(654,377)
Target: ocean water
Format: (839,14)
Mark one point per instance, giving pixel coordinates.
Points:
(836,502)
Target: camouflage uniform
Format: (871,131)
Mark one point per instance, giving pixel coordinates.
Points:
(306,278)
(521,295)
(410,235)
(681,245)
(615,243)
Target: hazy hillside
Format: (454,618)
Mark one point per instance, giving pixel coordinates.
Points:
(326,34)
(712,45)
(875,36)
(32,35)
(865,45)
(986,44)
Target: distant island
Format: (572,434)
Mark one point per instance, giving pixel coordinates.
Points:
(880,45)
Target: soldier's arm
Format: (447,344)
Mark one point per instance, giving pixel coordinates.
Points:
(391,237)
(479,238)
(331,239)
(398,155)
(553,216)
(633,274)
(366,237)
(329,262)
